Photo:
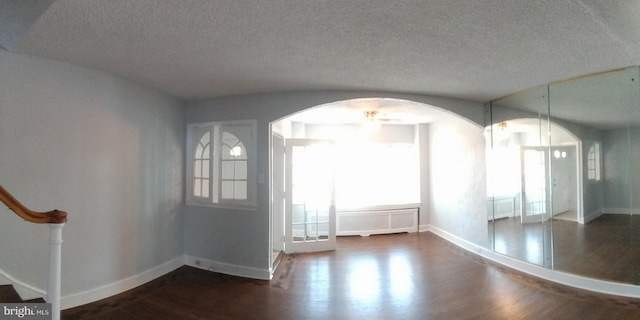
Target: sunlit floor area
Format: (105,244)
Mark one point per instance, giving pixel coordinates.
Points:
(606,248)
(399,276)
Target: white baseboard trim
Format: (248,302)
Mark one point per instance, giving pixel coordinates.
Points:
(230,269)
(591,216)
(613,288)
(81,298)
(25,291)
(616,210)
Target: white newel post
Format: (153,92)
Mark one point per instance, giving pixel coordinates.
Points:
(55,268)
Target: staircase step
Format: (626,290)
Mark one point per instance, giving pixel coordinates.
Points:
(9,295)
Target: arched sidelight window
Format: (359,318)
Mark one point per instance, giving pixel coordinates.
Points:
(222,164)
(593,162)
(201,167)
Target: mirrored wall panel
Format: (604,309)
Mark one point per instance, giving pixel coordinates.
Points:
(517,166)
(563,174)
(598,110)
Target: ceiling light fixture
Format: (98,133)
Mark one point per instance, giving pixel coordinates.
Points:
(371,115)
(371,125)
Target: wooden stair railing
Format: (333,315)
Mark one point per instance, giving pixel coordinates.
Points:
(56,220)
(54,216)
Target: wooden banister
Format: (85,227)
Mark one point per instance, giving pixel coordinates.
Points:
(56,219)
(54,216)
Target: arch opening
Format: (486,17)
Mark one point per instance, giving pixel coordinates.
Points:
(386,150)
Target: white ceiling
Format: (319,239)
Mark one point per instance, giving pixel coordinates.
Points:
(196,49)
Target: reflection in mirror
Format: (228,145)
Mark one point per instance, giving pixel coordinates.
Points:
(632,262)
(599,110)
(519,202)
(564,188)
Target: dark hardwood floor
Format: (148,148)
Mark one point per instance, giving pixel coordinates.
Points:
(400,276)
(530,242)
(606,248)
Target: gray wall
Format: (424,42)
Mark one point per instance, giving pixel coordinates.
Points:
(458,179)
(242,237)
(621,174)
(108,151)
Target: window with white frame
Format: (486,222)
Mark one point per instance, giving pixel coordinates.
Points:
(201,166)
(221,163)
(377,174)
(234,168)
(593,162)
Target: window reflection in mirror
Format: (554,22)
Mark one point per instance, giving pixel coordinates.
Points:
(563,180)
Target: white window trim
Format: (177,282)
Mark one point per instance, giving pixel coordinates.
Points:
(594,162)
(194,132)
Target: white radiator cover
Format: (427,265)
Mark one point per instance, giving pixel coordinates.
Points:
(501,207)
(376,221)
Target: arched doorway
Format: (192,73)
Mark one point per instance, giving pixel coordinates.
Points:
(377,139)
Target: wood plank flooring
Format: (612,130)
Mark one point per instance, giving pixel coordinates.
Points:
(606,248)
(400,276)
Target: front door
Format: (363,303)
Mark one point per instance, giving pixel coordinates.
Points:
(310,209)
(563,179)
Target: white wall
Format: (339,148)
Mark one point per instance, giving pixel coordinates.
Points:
(107,151)
(241,238)
(458,179)
(422,138)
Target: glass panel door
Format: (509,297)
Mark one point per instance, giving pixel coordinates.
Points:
(310,210)
(535,185)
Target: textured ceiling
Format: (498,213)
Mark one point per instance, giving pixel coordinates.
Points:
(478,50)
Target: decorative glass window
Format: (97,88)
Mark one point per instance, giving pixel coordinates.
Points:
(234,168)
(593,162)
(222,163)
(377,174)
(201,166)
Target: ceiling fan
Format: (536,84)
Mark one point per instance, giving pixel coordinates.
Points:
(375,116)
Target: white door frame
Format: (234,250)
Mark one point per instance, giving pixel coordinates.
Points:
(527,218)
(307,242)
(276,196)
